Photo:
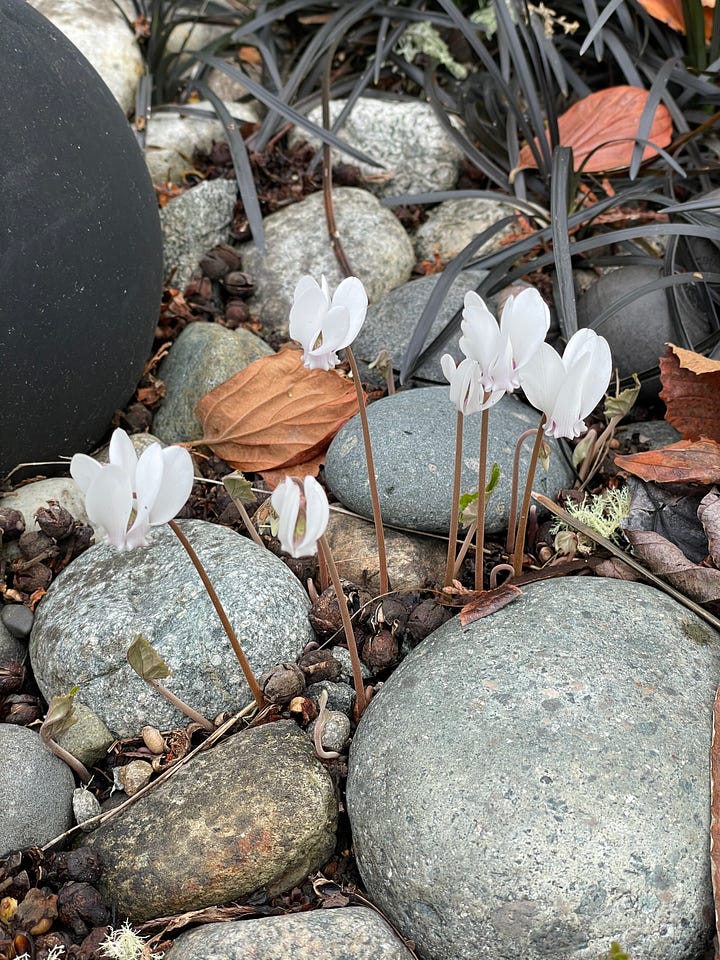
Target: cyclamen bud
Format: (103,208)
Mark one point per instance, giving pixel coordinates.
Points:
(303,511)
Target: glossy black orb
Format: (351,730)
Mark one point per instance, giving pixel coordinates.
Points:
(80,247)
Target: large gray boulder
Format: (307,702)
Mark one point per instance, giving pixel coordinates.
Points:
(413,440)
(536,784)
(97,606)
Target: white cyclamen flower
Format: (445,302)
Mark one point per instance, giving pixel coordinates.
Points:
(495,354)
(128,495)
(566,389)
(303,511)
(322,324)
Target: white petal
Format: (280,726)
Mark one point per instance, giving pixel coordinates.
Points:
(466,391)
(351,294)
(307,315)
(148,477)
(597,377)
(582,341)
(317,515)
(448,366)
(84,470)
(526,321)
(542,377)
(175,487)
(481,335)
(565,417)
(122,453)
(109,502)
(336,331)
(500,373)
(286,504)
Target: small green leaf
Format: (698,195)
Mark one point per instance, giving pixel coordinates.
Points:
(583,448)
(145,660)
(60,716)
(622,404)
(468,501)
(239,488)
(493,481)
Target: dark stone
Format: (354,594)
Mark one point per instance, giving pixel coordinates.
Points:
(80,283)
(637,333)
(17,619)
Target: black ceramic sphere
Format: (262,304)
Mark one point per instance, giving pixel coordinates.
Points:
(80,247)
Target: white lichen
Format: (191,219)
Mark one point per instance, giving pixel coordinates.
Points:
(422,37)
(125,944)
(603,512)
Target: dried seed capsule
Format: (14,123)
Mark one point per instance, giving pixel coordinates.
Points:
(54,520)
(12,524)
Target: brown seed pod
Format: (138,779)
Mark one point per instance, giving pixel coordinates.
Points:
(12,677)
(319,665)
(283,682)
(303,710)
(12,524)
(380,651)
(54,520)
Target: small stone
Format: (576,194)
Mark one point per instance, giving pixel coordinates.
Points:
(88,738)
(341,696)
(342,654)
(153,740)
(134,776)
(451,225)
(336,731)
(36,790)
(85,806)
(17,619)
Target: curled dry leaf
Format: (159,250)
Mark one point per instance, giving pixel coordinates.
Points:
(663,558)
(601,128)
(709,516)
(614,569)
(671,13)
(275,413)
(488,602)
(686,461)
(691,393)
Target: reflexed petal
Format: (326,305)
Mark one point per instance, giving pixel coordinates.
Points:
(500,373)
(466,391)
(526,321)
(305,283)
(448,366)
(351,294)
(307,315)
(84,470)
(148,477)
(109,503)
(481,335)
(175,487)
(542,377)
(286,504)
(122,453)
(317,515)
(336,331)
(580,342)
(565,420)
(597,377)
(325,289)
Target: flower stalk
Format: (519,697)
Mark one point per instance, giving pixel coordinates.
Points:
(519,549)
(455,507)
(220,610)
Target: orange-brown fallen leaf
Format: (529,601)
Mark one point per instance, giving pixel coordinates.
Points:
(488,602)
(275,413)
(663,558)
(612,115)
(686,461)
(671,13)
(691,393)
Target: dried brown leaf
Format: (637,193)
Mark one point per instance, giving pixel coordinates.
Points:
(275,413)
(686,461)
(610,117)
(488,602)
(709,516)
(615,569)
(701,584)
(691,393)
(671,13)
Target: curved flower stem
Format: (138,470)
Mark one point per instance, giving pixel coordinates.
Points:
(180,704)
(249,525)
(519,548)
(377,516)
(220,610)
(77,765)
(482,497)
(455,508)
(515,484)
(500,568)
(360,700)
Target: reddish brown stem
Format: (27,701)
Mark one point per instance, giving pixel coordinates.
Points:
(220,610)
(515,484)
(482,499)
(455,507)
(519,548)
(180,704)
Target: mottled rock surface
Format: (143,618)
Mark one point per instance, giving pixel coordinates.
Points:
(413,438)
(454,223)
(36,790)
(373,238)
(349,933)
(257,810)
(104,599)
(536,784)
(203,356)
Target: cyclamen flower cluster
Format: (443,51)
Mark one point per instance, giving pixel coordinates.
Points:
(501,358)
